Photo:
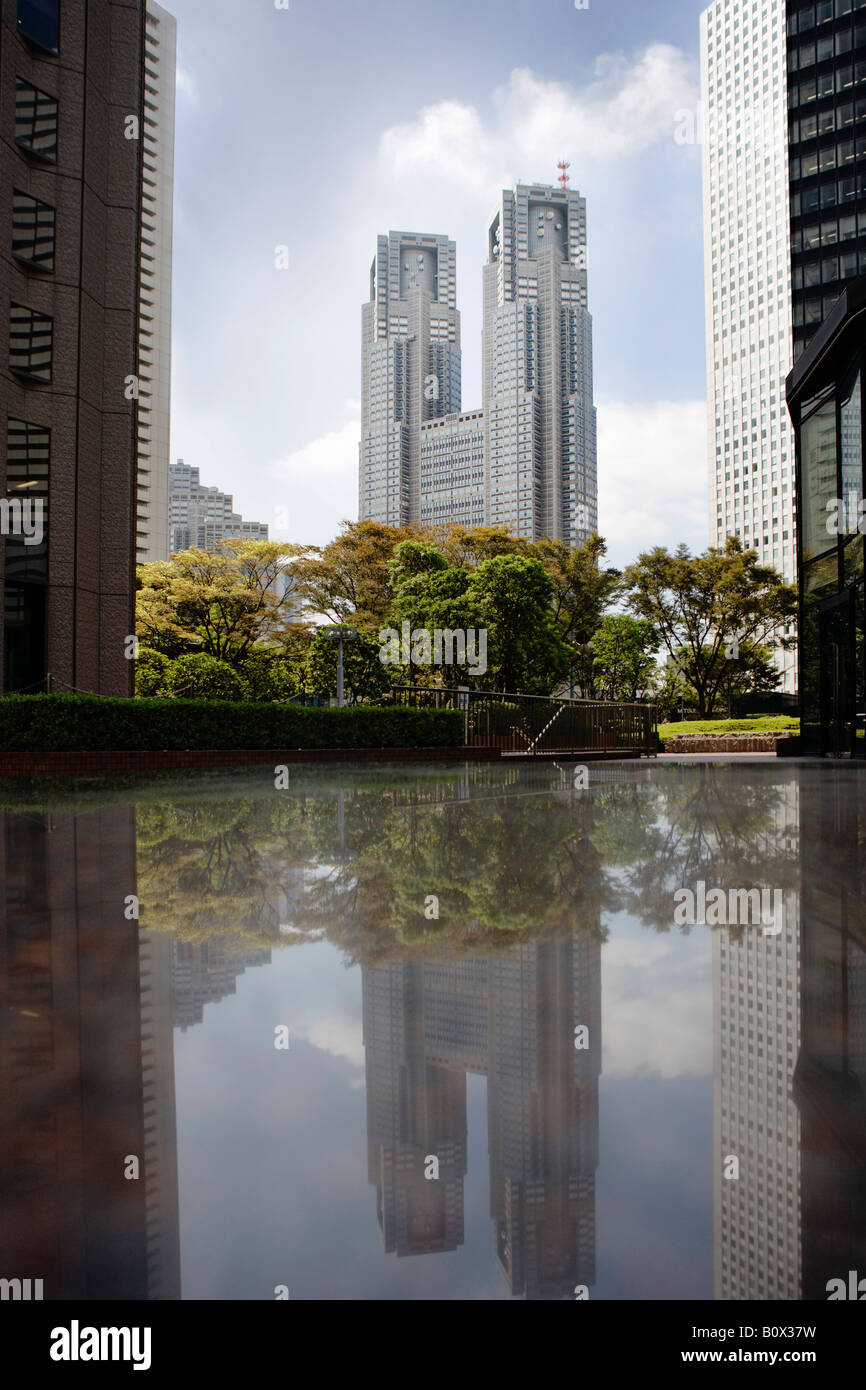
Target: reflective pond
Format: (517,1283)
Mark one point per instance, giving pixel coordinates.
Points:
(436,1032)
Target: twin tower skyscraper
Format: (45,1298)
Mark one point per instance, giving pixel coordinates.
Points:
(527,459)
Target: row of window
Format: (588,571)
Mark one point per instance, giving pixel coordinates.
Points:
(802,20)
(830,194)
(826,84)
(835,156)
(830,46)
(828,232)
(823,122)
(828,270)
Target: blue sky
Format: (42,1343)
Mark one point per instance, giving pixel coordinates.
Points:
(320,126)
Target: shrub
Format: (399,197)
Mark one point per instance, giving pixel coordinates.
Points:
(268,675)
(198,676)
(87,723)
(151,670)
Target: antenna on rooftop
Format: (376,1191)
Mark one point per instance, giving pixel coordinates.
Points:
(563,166)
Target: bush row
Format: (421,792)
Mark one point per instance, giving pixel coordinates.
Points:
(82,723)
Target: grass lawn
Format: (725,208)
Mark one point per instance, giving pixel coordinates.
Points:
(765,724)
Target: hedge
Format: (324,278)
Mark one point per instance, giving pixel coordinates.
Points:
(83,723)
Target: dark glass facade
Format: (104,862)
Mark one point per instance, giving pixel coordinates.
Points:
(825,398)
(827,155)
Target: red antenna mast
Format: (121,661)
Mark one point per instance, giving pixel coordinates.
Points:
(563,166)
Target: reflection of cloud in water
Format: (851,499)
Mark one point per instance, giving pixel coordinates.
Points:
(661,998)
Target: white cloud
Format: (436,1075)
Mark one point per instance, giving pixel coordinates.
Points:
(341,1037)
(318,484)
(652,476)
(628,107)
(646,979)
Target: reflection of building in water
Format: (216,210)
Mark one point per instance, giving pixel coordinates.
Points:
(206,971)
(756,1034)
(71,1104)
(512,1016)
(831,1072)
(160,1128)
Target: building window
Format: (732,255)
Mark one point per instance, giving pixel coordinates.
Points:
(25,529)
(30,342)
(35,121)
(32,231)
(39,22)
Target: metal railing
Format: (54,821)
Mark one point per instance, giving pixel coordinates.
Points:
(534,724)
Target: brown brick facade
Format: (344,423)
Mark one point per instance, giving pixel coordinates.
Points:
(92,297)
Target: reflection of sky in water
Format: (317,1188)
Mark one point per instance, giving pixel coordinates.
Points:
(455,1037)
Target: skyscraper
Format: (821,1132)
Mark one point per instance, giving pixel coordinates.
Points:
(827,129)
(539,419)
(527,459)
(154,341)
(748,281)
(410,368)
(70,203)
(756,1033)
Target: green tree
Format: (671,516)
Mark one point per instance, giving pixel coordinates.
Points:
(198,676)
(221,603)
(701,604)
(583,589)
(623,657)
(348,581)
(526,652)
(364,676)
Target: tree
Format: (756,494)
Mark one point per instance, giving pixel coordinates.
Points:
(703,605)
(525,648)
(364,675)
(582,592)
(198,676)
(222,603)
(429,594)
(348,581)
(623,657)
(269,673)
(750,672)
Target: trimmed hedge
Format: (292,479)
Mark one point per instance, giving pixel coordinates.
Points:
(88,724)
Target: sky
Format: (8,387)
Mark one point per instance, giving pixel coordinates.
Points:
(319,126)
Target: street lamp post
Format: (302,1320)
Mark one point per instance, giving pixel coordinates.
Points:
(340,634)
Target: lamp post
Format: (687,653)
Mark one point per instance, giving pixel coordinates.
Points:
(340,634)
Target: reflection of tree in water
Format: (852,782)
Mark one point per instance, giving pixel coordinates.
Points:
(356,867)
(707,822)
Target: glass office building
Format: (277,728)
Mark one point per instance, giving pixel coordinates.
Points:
(825,399)
(827,150)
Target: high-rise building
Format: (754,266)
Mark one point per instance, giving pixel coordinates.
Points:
(510,1015)
(154,342)
(527,459)
(452,469)
(756,1031)
(70,203)
(539,419)
(201,517)
(410,368)
(827,131)
(747,276)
